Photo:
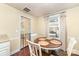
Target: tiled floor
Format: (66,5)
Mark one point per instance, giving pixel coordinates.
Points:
(25,52)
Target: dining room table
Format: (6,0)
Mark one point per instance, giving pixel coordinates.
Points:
(48,43)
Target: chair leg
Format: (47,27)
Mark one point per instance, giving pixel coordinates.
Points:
(69,53)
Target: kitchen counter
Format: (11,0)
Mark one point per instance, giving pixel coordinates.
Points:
(3,38)
(4,45)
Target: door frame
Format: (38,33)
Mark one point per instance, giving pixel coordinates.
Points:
(30,25)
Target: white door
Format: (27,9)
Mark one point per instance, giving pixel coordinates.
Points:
(25,28)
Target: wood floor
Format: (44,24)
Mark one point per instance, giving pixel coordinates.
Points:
(25,52)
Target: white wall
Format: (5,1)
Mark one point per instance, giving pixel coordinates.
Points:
(72,18)
(42,26)
(10,24)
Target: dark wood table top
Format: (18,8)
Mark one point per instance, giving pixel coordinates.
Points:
(48,43)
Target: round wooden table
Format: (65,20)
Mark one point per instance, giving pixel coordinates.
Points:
(49,44)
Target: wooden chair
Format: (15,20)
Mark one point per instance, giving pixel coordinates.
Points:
(71,44)
(70,47)
(35,49)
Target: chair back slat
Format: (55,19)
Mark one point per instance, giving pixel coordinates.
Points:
(35,49)
(71,44)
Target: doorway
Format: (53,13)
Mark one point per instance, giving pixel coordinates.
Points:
(25,30)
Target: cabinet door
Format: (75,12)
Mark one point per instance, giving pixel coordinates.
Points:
(5,49)
(5,44)
(5,52)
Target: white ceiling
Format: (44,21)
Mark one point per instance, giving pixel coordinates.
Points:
(40,9)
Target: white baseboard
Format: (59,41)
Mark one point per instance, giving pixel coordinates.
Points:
(13,52)
(75,51)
